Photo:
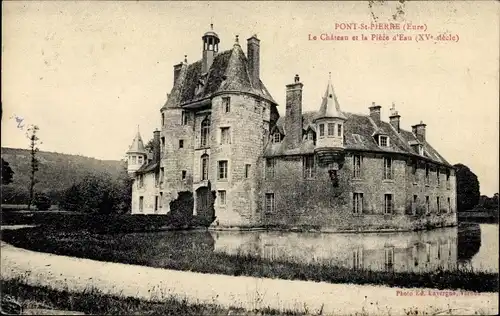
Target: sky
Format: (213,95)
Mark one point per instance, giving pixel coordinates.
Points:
(88,73)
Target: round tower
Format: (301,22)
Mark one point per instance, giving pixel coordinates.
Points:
(330,130)
(136,154)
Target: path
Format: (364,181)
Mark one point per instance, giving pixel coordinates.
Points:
(230,291)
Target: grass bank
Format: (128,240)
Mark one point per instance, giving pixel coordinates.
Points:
(189,251)
(93,301)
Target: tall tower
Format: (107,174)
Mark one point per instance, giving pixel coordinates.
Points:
(330,130)
(210,48)
(136,154)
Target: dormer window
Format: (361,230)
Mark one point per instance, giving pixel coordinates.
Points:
(339,130)
(383,141)
(276,137)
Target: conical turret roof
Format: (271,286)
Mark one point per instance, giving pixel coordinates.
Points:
(330,107)
(137,146)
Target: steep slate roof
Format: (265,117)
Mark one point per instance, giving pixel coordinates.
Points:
(148,167)
(228,72)
(137,146)
(330,107)
(358,131)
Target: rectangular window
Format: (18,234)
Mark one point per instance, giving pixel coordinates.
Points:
(156,203)
(448,179)
(162,149)
(225,136)
(257,106)
(161,199)
(184,173)
(141,203)
(140,181)
(321,130)
(181,143)
(140,160)
(162,174)
(269,202)
(222,197)
(357,258)
(449,205)
(247,170)
(270,163)
(427,205)
(356,167)
(415,255)
(427,171)
(389,257)
(387,168)
(163,119)
(428,251)
(222,174)
(414,205)
(308,167)
(388,204)
(438,205)
(331,129)
(414,171)
(357,203)
(437,177)
(204,167)
(383,141)
(226,104)
(184,118)
(339,130)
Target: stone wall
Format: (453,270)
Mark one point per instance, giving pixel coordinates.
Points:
(316,203)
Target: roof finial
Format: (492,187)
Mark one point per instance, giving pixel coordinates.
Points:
(237,40)
(185,58)
(212,26)
(330,76)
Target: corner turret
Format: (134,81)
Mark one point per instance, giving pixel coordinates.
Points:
(330,129)
(136,154)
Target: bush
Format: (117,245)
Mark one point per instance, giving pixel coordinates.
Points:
(42,202)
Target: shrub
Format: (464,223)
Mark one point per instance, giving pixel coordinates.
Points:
(42,202)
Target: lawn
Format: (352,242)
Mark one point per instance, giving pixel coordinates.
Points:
(94,302)
(189,251)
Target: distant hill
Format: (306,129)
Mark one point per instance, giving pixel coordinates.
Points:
(56,171)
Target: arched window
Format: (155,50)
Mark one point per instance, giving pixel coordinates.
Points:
(204,167)
(205,132)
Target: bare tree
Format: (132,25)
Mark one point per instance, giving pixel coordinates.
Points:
(34,142)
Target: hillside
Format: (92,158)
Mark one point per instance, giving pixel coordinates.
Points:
(56,171)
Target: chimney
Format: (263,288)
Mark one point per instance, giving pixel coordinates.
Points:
(419,131)
(177,71)
(156,146)
(375,112)
(253,55)
(394,118)
(293,117)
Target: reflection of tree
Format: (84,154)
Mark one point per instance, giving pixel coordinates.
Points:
(469,241)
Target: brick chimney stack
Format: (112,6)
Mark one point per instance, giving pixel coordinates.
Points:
(375,112)
(293,117)
(156,146)
(253,55)
(419,131)
(394,119)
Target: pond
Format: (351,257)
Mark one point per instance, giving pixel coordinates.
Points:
(471,246)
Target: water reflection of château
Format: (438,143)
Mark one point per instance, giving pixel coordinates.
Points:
(407,251)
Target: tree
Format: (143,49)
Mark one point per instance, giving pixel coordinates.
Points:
(467,188)
(149,146)
(42,201)
(34,142)
(7,173)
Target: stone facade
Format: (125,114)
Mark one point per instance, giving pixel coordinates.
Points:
(328,170)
